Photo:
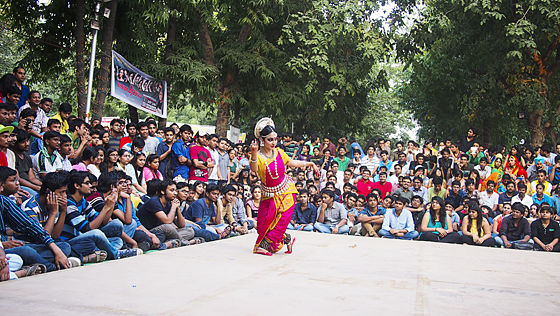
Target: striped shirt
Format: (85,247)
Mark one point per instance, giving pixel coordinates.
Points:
(37,212)
(14,217)
(78,216)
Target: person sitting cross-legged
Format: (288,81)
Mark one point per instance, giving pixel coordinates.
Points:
(44,251)
(515,228)
(233,211)
(372,216)
(546,232)
(161,216)
(202,212)
(476,229)
(398,222)
(305,213)
(332,217)
(83,222)
(436,224)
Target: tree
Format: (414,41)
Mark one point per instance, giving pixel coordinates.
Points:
(484,63)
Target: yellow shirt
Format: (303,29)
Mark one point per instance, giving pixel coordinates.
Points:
(63,123)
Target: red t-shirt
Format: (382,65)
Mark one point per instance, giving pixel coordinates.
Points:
(364,188)
(3,159)
(384,188)
(202,154)
(124,141)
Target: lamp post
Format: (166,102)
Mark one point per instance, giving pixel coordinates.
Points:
(95,26)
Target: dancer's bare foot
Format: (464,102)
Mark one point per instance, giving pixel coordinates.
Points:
(262,251)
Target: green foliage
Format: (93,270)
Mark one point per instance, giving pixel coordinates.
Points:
(474,64)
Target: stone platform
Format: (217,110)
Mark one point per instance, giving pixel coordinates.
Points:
(326,275)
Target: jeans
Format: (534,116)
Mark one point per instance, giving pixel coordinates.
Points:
(498,239)
(306,228)
(30,257)
(203,233)
(110,244)
(327,229)
(408,236)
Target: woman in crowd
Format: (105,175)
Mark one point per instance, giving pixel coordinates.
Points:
(305,154)
(515,169)
(95,168)
(279,192)
(199,190)
(89,157)
(254,202)
(476,229)
(436,224)
(138,163)
(111,159)
(497,166)
(232,167)
(150,170)
(125,165)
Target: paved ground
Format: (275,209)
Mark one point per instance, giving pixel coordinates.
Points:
(326,275)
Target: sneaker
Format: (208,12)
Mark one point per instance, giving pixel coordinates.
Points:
(74,262)
(125,253)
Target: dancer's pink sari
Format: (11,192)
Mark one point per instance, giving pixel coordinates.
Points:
(277,205)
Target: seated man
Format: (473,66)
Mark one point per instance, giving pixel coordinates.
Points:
(546,232)
(332,217)
(350,199)
(84,222)
(161,216)
(46,252)
(371,217)
(47,160)
(398,222)
(233,210)
(305,213)
(202,211)
(540,196)
(515,228)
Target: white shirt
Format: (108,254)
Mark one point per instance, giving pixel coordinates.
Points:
(11,158)
(527,200)
(371,164)
(40,120)
(489,201)
(483,173)
(216,157)
(150,145)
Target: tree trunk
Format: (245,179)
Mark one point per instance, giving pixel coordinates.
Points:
(105,67)
(536,128)
(80,62)
(133,114)
(171,38)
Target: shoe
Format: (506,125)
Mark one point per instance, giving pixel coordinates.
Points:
(74,262)
(125,253)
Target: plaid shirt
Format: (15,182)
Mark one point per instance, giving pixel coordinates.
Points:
(14,217)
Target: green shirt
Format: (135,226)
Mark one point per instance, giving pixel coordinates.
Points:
(342,164)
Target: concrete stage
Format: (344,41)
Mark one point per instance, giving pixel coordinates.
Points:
(326,275)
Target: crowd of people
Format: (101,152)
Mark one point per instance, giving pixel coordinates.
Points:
(73,192)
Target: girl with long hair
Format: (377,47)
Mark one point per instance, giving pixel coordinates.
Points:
(138,163)
(436,224)
(151,169)
(476,229)
(252,205)
(110,162)
(199,189)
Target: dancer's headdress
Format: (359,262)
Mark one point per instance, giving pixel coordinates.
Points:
(261,124)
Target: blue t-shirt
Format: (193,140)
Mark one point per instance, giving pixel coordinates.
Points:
(199,209)
(309,216)
(379,211)
(180,149)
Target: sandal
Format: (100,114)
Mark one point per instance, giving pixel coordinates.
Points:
(196,241)
(226,232)
(262,251)
(173,244)
(291,245)
(97,256)
(35,269)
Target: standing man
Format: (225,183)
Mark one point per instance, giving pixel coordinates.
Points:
(150,143)
(132,132)
(201,160)
(40,123)
(164,151)
(116,133)
(19,73)
(212,146)
(181,155)
(223,161)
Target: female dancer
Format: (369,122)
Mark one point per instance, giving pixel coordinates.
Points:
(278,189)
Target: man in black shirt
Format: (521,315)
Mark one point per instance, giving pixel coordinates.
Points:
(546,232)
(515,228)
